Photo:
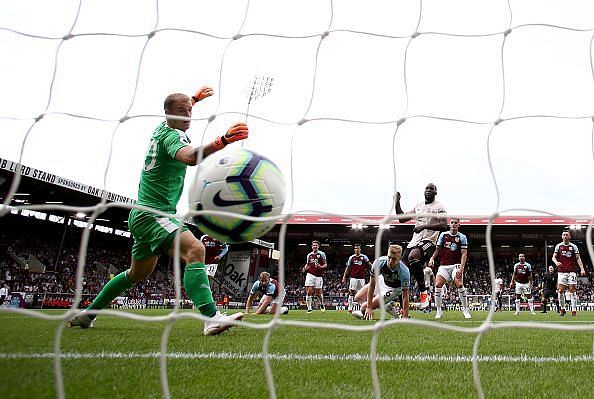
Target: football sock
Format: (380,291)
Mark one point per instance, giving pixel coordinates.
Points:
(351,300)
(573,301)
(463,299)
(531,304)
(561,300)
(517,305)
(417,270)
(438,299)
(111,290)
(197,287)
(308,300)
(321,298)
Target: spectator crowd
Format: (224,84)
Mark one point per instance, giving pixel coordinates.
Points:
(54,286)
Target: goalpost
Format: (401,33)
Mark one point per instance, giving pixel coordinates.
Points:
(405,113)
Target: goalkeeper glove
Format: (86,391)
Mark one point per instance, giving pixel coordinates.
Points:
(237,132)
(201,94)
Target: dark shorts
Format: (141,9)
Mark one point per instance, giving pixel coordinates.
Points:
(549,294)
(427,248)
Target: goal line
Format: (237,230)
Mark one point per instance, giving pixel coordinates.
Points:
(354,357)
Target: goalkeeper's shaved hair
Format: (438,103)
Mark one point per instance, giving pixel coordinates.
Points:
(174,99)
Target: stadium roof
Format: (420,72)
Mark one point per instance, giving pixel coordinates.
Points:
(38,187)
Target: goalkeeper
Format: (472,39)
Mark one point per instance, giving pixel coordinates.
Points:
(161,185)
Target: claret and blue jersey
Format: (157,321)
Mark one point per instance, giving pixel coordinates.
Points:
(394,278)
(272,288)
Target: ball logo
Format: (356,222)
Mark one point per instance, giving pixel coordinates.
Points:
(223,160)
(219,201)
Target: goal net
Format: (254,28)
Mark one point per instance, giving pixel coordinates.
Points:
(492,101)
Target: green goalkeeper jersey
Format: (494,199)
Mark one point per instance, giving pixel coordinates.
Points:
(162,178)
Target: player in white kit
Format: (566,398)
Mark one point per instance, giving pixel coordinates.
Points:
(425,234)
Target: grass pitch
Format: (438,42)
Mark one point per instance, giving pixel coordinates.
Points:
(119,358)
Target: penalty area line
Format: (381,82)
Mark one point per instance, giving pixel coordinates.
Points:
(300,357)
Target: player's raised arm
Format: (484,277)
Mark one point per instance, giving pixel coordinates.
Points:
(201,94)
(398,208)
(189,154)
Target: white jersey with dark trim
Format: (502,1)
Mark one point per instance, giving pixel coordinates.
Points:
(426,235)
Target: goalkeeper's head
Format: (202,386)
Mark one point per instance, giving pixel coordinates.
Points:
(178,105)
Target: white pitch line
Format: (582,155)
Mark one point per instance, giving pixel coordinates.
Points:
(298,357)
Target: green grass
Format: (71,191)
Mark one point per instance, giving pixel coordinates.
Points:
(216,377)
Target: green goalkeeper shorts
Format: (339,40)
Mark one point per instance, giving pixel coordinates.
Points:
(153,234)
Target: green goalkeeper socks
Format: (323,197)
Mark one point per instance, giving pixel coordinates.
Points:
(111,290)
(198,288)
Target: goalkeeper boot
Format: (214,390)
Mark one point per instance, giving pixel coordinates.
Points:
(220,323)
(466,314)
(562,312)
(83,320)
(438,314)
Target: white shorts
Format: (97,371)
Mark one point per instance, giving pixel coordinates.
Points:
(280,298)
(523,289)
(567,278)
(356,284)
(390,294)
(448,272)
(211,269)
(313,281)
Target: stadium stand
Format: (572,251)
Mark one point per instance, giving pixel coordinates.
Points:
(54,251)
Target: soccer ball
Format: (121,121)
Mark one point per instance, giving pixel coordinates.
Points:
(239,181)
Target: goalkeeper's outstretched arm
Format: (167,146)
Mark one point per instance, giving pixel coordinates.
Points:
(189,155)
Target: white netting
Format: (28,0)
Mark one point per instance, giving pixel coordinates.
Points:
(407,36)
